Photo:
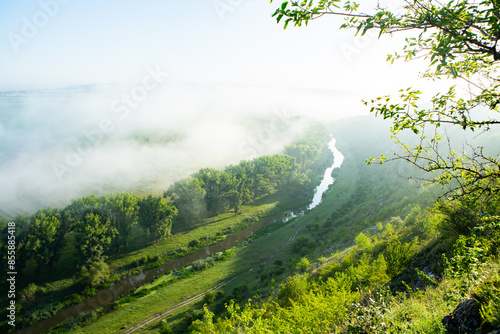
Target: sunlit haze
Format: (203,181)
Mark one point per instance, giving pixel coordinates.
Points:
(92,90)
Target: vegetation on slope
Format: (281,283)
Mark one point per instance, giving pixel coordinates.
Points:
(95,241)
(401,265)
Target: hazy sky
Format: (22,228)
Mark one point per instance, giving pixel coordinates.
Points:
(54,43)
(220,73)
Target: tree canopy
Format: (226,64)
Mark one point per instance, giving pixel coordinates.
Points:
(155,216)
(459,41)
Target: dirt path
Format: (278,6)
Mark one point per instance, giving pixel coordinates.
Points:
(200,295)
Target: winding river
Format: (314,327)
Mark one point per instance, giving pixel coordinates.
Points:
(328,179)
(107,296)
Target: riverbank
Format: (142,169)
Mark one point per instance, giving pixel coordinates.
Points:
(241,269)
(264,249)
(62,290)
(213,229)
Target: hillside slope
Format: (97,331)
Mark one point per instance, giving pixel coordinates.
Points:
(381,256)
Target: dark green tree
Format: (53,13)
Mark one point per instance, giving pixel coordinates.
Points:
(215,184)
(80,207)
(93,239)
(22,226)
(43,244)
(155,216)
(122,209)
(234,199)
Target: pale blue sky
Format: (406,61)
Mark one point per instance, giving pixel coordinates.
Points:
(236,60)
(229,41)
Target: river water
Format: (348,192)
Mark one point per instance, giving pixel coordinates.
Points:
(106,297)
(328,180)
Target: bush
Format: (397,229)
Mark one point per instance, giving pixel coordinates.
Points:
(398,256)
(193,315)
(193,243)
(292,290)
(303,246)
(145,259)
(209,297)
(154,259)
(302,265)
(94,274)
(165,327)
(80,320)
(239,292)
(73,299)
(468,254)
(457,219)
(488,296)
(28,295)
(489,231)
(278,262)
(199,265)
(368,316)
(363,242)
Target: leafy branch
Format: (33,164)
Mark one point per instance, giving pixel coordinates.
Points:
(459,39)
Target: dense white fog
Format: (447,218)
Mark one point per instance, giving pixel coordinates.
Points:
(61,144)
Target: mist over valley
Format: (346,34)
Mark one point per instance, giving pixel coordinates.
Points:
(60,144)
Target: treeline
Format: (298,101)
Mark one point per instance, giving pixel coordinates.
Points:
(78,240)
(99,224)
(211,192)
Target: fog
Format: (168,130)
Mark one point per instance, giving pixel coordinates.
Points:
(57,145)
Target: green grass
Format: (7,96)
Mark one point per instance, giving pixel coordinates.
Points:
(59,283)
(139,310)
(239,263)
(360,197)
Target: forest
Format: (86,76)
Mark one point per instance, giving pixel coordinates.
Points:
(81,238)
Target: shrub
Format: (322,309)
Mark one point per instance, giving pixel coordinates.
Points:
(303,246)
(155,258)
(398,256)
(80,320)
(488,296)
(489,231)
(199,265)
(363,242)
(468,254)
(368,316)
(73,299)
(292,290)
(239,292)
(302,265)
(278,262)
(457,219)
(209,297)
(193,243)
(165,327)
(144,260)
(95,274)
(193,315)
(28,295)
